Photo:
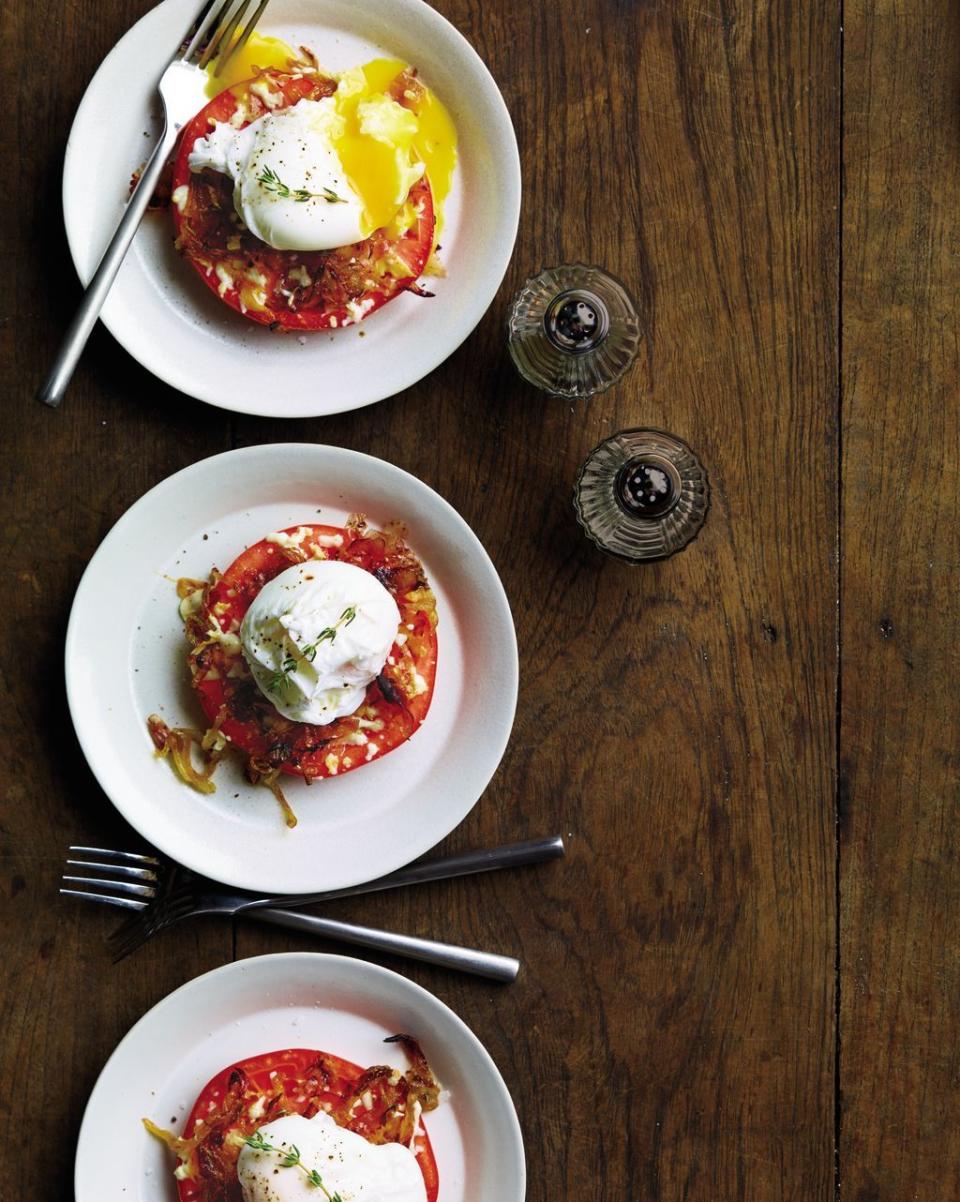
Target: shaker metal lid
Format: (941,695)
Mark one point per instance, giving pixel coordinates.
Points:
(573,330)
(641,495)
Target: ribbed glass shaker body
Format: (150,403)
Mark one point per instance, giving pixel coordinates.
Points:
(641,495)
(573,330)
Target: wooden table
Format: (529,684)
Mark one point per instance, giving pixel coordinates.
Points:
(744,982)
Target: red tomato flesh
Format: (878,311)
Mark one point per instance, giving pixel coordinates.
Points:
(292,1081)
(395,704)
(266,285)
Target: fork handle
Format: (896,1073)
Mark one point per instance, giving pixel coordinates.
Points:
(448,955)
(86,316)
(508,855)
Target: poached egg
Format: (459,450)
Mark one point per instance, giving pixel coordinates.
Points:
(316,635)
(322,174)
(347,1164)
(289,185)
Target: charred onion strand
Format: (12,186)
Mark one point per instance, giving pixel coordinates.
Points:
(178,742)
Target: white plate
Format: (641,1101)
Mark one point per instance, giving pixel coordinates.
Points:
(331,1003)
(125,659)
(163,314)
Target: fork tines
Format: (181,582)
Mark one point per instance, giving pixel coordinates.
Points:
(158,893)
(128,880)
(213,32)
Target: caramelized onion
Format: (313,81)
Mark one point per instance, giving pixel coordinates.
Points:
(260,773)
(178,742)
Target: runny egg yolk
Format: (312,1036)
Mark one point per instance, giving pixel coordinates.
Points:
(382,144)
(382,138)
(259,53)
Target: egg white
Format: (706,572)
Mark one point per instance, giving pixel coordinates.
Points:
(347,1163)
(285,638)
(289,186)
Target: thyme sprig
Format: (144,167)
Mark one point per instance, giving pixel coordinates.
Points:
(290,1159)
(309,653)
(273,183)
(330,633)
(282,674)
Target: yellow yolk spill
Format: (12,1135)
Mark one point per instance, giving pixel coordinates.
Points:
(436,145)
(374,165)
(378,167)
(259,53)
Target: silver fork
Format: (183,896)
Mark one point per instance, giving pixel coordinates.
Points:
(211,37)
(161,894)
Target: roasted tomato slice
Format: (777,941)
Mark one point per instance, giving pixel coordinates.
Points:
(247,1095)
(395,703)
(295,290)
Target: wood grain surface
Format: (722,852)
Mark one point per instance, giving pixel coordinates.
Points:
(900,888)
(674,1034)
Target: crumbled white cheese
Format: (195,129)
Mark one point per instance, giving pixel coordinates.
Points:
(417,1111)
(228,641)
(370,723)
(290,542)
(359,310)
(273,100)
(225,278)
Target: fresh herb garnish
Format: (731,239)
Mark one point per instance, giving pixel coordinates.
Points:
(309,653)
(273,183)
(290,1159)
(328,635)
(279,678)
(258,1143)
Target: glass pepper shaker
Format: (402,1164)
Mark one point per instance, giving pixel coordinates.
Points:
(641,495)
(573,330)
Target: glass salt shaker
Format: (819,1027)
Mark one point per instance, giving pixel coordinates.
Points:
(641,495)
(573,330)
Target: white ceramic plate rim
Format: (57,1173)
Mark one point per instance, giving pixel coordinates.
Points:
(467,309)
(248,871)
(438,1017)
